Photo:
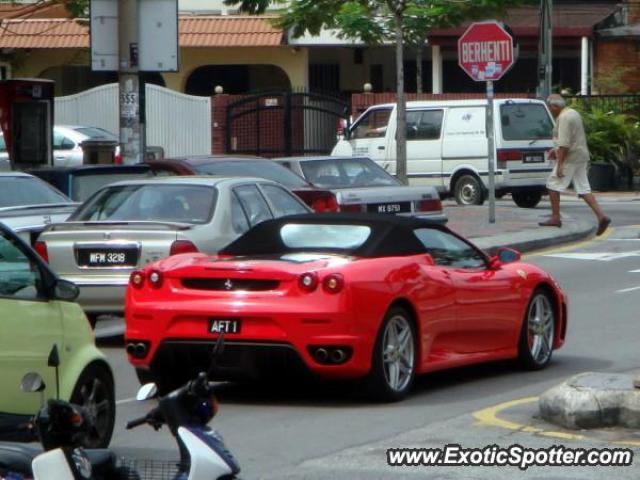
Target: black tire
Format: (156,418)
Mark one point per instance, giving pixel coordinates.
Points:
(377,383)
(94,391)
(527,198)
(528,355)
(468,190)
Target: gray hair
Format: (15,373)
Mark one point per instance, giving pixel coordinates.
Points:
(557,100)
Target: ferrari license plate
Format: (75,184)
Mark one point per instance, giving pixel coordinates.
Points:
(397,207)
(224,325)
(533,158)
(123,257)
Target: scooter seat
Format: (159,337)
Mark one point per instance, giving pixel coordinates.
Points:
(16,457)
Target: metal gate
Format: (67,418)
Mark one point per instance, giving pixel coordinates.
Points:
(283,124)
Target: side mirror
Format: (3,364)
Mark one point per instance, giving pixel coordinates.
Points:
(65,290)
(32,382)
(503,256)
(147,391)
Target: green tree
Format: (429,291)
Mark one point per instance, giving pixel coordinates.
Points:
(404,22)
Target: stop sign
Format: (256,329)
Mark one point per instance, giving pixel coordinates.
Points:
(485,51)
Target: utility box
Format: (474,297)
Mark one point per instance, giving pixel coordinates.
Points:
(26,119)
(99,152)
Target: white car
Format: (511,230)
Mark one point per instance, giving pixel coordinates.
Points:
(67,140)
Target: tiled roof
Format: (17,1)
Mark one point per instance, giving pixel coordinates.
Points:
(229,31)
(569,20)
(195,31)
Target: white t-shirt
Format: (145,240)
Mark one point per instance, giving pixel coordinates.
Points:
(569,132)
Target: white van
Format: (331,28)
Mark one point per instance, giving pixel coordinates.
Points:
(447,146)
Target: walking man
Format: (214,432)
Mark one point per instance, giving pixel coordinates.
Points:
(572,162)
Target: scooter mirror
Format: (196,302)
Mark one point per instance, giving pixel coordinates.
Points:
(32,382)
(147,391)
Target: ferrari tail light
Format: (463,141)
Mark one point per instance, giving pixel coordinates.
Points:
(136,279)
(333,283)
(308,282)
(432,205)
(356,207)
(41,248)
(155,278)
(182,246)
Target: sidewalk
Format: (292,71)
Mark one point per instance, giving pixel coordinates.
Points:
(514,227)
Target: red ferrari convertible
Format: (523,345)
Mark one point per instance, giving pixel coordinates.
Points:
(374,297)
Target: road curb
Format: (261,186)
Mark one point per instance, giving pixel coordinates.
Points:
(530,240)
(592,400)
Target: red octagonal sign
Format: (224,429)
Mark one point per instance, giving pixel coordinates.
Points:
(485,51)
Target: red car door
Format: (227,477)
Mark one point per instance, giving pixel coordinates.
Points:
(487,300)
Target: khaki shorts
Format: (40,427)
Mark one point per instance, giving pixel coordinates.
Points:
(573,172)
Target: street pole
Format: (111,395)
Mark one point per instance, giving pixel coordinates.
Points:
(545,49)
(128,74)
(490,145)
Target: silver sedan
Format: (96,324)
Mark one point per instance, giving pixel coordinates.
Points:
(360,185)
(127,225)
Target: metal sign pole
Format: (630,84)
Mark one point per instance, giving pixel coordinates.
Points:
(491,156)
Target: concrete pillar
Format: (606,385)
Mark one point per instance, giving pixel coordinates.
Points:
(436,69)
(584,67)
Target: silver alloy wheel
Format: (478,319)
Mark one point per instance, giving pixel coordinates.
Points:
(540,329)
(398,353)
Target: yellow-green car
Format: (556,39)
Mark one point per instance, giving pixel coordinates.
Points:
(36,312)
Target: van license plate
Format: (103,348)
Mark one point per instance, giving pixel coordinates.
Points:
(397,207)
(533,158)
(224,325)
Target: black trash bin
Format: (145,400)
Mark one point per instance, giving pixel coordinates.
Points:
(98,152)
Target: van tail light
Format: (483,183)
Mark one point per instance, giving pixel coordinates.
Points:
(155,278)
(117,159)
(41,248)
(509,155)
(308,282)
(341,126)
(333,283)
(321,201)
(356,207)
(136,279)
(182,246)
(432,205)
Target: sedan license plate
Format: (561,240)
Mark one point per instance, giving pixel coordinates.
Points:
(397,207)
(127,257)
(533,158)
(224,325)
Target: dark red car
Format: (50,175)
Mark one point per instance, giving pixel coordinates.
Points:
(353,296)
(319,199)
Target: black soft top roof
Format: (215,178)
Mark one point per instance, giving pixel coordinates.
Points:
(391,235)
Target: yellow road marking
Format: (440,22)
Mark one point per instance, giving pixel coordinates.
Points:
(572,246)
(488,417)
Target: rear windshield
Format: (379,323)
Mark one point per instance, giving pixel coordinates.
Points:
(86,185)
(19,191)
(346,172)
(249,168)
(528,121)
(150,202)
(317,236)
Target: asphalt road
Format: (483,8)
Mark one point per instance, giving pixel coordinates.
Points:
(321,431)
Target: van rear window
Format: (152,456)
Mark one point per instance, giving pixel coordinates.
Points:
(525,122)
